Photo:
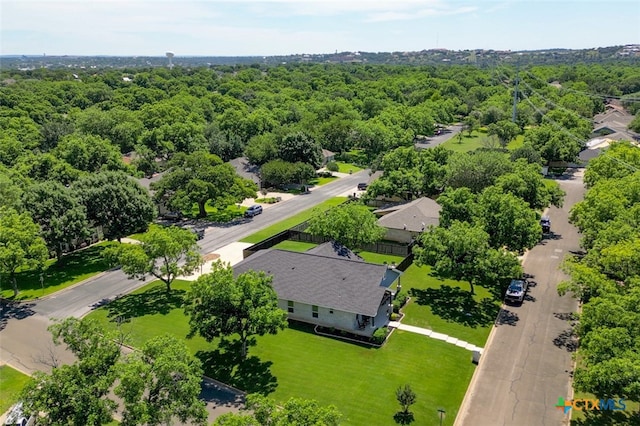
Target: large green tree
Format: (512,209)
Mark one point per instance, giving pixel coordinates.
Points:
(508,220)
(221,305)
(21,246)
(462,252)
(477,170)
(116,202)
(351,224)
(164,252)
(199,178)
(160,383)
(59,212)
(299,146)
(76,394)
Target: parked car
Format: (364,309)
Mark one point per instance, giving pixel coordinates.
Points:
(253,211)
(516,291)
(17,417)
(545,222)
(198,231)
(172,216)
(362,186)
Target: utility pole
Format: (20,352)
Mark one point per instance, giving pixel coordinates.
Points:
(515,95)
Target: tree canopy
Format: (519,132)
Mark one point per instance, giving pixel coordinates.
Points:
(351,225)
(221,305)
(164,252)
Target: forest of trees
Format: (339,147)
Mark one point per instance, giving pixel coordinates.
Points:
(73,142)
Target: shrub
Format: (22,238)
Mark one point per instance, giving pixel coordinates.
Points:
(394,316)
(324,174)
(399,302)
(379,335)
(332,166)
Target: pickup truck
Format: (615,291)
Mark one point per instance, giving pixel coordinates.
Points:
(516,291)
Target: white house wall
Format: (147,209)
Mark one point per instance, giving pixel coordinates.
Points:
(303,312)
(399,235)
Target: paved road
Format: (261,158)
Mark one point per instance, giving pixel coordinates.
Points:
(436,140)
(526,363)
(26,344)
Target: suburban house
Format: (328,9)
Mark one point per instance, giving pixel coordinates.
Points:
(327,156)
(404,222)
(328,286)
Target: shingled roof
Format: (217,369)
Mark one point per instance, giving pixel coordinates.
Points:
(415,216)
(324,281)
(335,249)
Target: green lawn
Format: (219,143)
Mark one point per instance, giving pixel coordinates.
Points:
(446,306)
(359,380)
(11,384)
(475,141)
(347,167)
(292,221)
(319,181)
(71,269)
(218,215)
(301,246)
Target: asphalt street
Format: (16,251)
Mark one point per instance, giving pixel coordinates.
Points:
(526,364)
(26,344)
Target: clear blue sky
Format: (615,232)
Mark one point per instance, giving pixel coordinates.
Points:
(279,27)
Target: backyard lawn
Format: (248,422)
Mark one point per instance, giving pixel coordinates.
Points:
(11,384)
(446,306)
(292,221)
(370,257)
(470,143)
(71,269)
(359,380)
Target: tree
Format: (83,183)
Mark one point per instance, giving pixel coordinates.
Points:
(406,398)
(351,224)
(160,382)
(116,202)
(462,252)
(553,144)
(219,305)
(505,130)
(298,146)
(76,394)
(164,252)
(508,220)
(199,178)
(89,153)
(294,412)
(59,212)
(476,170)
(619,160)
(457,205)
(526,182)
(21,246)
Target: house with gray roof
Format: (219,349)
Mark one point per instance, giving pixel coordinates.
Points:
(330,291)
(404,222)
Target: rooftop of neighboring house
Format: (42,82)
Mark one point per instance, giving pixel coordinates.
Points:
(414,216)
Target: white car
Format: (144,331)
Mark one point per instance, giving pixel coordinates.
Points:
(516,291)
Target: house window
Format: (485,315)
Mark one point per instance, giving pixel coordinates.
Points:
(290,306)
(314,311)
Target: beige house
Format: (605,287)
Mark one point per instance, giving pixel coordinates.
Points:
(404,222)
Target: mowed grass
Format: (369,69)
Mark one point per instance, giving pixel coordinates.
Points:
(57,275)
(11,383)
(361,381)
(476,140)
(347,167)
(292,221)
(215,214)
(319,181)
(370,257)
(446,306)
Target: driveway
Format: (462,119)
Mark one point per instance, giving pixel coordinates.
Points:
(436,140)
(26,344)
(526,364)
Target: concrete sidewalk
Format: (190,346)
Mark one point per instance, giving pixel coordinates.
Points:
(434,335)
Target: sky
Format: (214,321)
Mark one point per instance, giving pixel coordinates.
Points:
(284,27)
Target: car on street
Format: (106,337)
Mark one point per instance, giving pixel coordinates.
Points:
(362,186)
(253,211)
(516,291)
(545,222)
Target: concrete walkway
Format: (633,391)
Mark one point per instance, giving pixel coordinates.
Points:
(434,335)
